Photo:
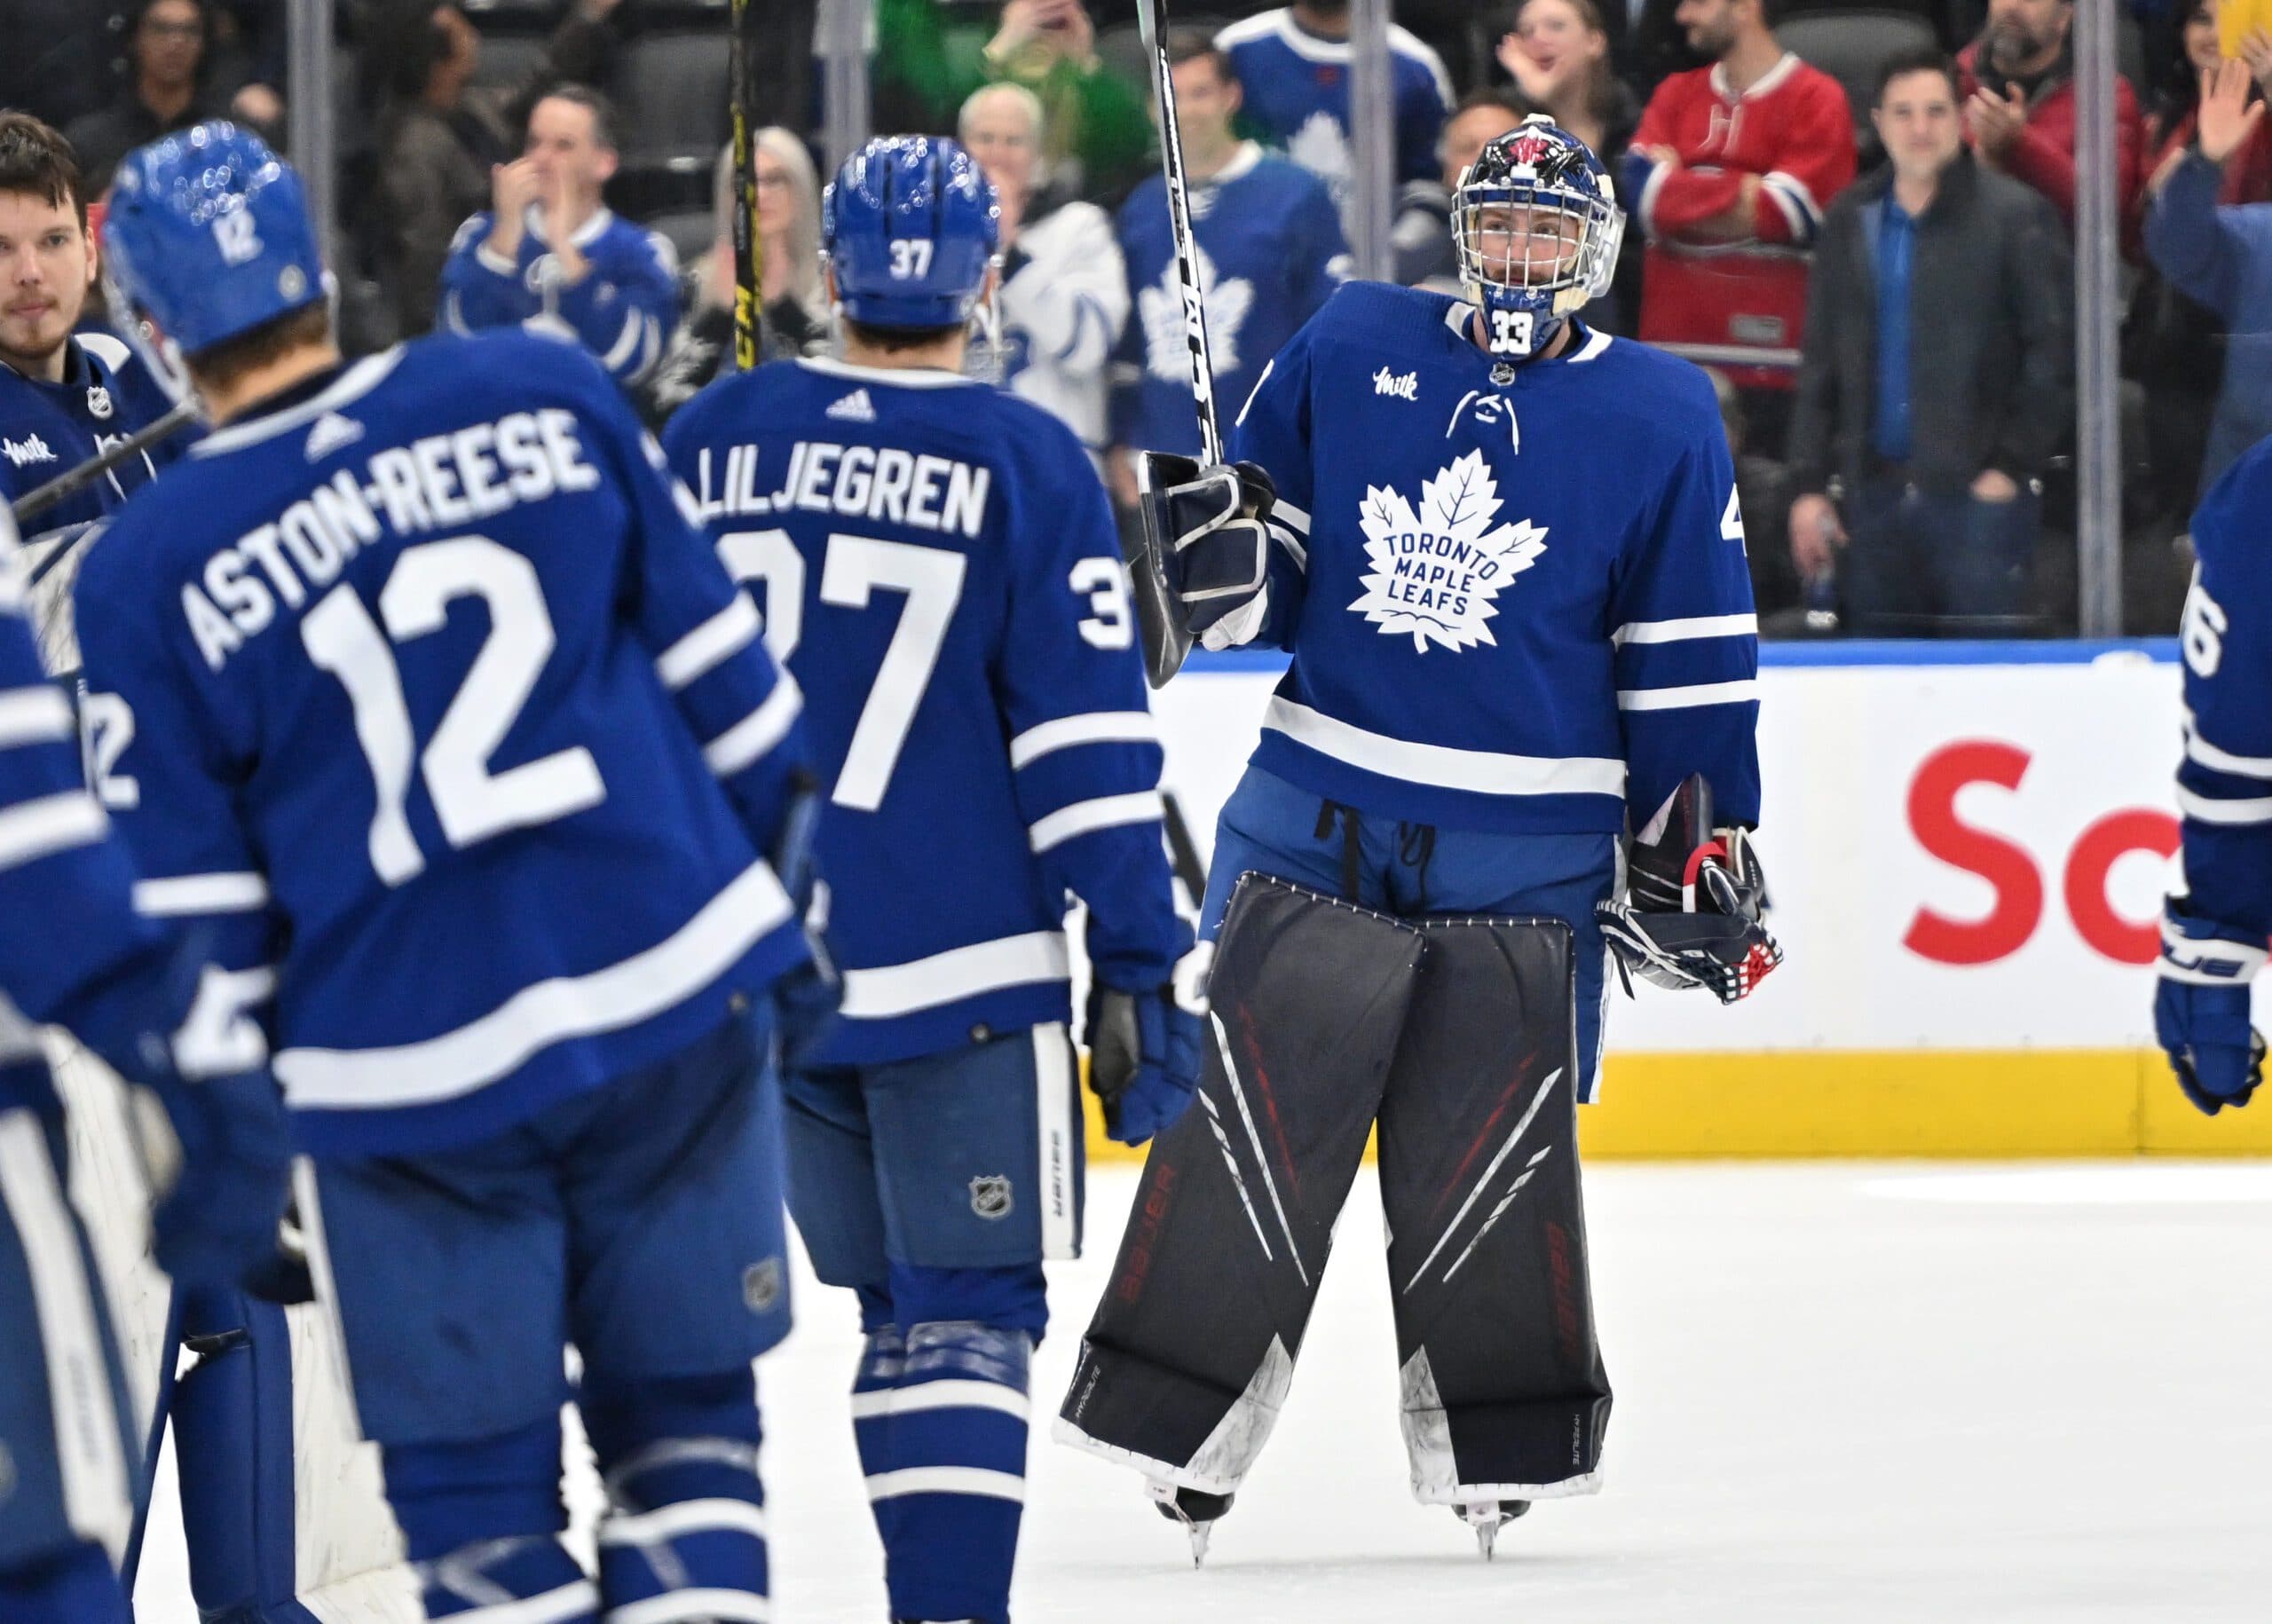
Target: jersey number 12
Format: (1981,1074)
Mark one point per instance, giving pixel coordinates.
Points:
(471,802)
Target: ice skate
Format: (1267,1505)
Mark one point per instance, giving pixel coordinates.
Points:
(1486,1516)
(1195,1511)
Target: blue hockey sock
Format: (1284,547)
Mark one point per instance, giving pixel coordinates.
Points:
(955,1479)
(880,1365)
(685,1529)
(78,1586)
(482,1520)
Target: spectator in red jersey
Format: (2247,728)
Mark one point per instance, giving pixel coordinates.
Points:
(2018,82)
(1727,178)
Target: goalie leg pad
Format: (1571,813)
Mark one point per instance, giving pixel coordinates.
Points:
(71,1454)
(1504,1392)
(1189,1355)
(684,1534)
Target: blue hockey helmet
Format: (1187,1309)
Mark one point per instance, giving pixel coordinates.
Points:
(1536,226)
(207,237)
(910,225)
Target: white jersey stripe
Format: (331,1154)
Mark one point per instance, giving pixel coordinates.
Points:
(1296,518)
(1687,698)
(946,1480)
(748,739)
(2207,809)
(551,1012)
(1090,728)
(708,645)
(89,1449)
(31,830)
(1482,771)
(570,1601)
(1087,816)
(195,894)
(38,715)
(1688,630)
(960,972)
(949,1395)
(2203,753)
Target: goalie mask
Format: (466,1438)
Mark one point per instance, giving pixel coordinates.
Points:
(1536,226)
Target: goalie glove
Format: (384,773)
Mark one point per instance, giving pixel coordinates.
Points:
(1695,908)
(1212,523)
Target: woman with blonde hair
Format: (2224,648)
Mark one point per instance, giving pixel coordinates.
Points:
(788,233)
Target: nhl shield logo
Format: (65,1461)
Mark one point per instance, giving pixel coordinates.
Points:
(989,1195)
(761,1285)
(98,402)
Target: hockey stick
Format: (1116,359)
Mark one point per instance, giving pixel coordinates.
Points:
(1183,851)
(64,486)
(1167,640)
(749,248)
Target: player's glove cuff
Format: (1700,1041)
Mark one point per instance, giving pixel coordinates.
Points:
(2204,952)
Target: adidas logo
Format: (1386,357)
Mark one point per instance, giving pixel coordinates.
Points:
(331,432)
(31,448)
(854,408)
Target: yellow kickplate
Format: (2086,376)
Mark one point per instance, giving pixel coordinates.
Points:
(1839,1102)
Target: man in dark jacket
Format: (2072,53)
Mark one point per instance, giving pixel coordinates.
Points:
(168,87)
(1936,377)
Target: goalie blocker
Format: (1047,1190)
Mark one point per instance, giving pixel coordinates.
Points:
(1325,1018)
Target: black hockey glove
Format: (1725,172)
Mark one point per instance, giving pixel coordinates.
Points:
(1145,1050)
(1215,544)
(1695,906)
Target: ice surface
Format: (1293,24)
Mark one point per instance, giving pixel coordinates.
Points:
(1845,1394)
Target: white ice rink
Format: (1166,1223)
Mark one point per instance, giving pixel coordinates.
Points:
(1844,1393)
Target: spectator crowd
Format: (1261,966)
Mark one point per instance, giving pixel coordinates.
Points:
(1859,219)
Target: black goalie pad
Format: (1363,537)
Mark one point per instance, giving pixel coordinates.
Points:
(1187,1359)
(1504,1392)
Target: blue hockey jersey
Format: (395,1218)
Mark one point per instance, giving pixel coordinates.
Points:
(49,429)
(624,310)
(421,687)
(1296,85)
(1516,596)
(942,580)
(1270,253)
(2224,784)
(58,865)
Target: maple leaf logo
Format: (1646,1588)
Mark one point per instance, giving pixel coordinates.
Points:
(1320,147)
(1436,572)
(1166,354)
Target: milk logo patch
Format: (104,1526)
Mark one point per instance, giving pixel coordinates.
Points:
(1166,352)
(1436,571)
(1396,386)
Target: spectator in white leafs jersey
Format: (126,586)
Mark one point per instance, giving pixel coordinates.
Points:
(796,308)
(549,255)
(1064,294)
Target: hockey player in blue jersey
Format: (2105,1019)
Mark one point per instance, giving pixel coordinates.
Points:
(942,578)
(549,254)
(132,990)
(2214,930)
(437,711)
(65,396)
(1506,554)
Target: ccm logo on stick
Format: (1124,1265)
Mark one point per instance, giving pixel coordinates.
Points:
(2010,923)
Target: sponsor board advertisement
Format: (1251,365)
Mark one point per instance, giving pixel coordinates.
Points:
(1968,845)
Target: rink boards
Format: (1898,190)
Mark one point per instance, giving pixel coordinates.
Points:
(1968,845)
